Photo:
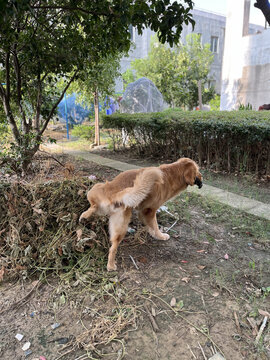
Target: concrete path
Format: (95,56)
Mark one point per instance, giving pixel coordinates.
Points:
(245,204)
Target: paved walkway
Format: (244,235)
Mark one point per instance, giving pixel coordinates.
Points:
(245,204)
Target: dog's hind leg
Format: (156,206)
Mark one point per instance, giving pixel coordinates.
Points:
(88,213)
(118,225)
(149,218)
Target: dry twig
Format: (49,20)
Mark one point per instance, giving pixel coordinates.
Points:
(261,330)
(205,358)
(153,321)
(195,357)
(237,322)
(24,300)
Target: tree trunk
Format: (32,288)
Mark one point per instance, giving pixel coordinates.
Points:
(97,138)
(200,93)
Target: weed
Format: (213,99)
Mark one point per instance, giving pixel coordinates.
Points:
(266,291)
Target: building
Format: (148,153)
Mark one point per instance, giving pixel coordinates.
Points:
(246,62)
(209,25)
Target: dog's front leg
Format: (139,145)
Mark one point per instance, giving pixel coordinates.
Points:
(149,218)
(118,225)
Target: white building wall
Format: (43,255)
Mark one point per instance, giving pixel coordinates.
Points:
(232,59)
(246,63)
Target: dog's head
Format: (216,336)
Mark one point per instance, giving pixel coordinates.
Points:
(192,174)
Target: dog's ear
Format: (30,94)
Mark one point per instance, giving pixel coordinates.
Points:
(190,174)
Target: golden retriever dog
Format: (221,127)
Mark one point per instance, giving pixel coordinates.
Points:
(145,190)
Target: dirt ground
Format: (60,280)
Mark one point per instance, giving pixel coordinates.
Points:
(205,290)
(48,167)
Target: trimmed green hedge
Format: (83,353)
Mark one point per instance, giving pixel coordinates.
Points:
(221,140)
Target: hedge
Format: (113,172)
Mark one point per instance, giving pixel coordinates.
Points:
(235,141)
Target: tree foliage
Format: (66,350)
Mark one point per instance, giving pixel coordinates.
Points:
(98,77)
(176,71)
(41,41)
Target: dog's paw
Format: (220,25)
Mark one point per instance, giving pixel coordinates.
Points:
(111,267)
(82,220)
(164,236)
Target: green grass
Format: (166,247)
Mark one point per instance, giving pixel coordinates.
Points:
(234,220)
(247,186)
(82,144)
(78,144)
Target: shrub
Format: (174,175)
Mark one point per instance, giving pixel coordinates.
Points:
(84,132)
(215,103)
(222,140)
(245,107)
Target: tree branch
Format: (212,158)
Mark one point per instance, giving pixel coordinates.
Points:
(264,6)
(9,115)
(56,104)
(19,87)
(68,8)
(38,106)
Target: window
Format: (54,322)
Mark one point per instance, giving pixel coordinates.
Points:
(211,83)
(214,44)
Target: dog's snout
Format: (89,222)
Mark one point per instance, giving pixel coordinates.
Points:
(198,182)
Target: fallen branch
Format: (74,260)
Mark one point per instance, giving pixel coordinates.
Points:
(52,157)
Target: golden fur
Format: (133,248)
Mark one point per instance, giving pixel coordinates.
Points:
(144,189)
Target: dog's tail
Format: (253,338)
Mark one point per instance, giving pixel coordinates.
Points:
(143,184)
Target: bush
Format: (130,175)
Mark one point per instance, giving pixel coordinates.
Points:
(215,103)
(84,132)
(221,140)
